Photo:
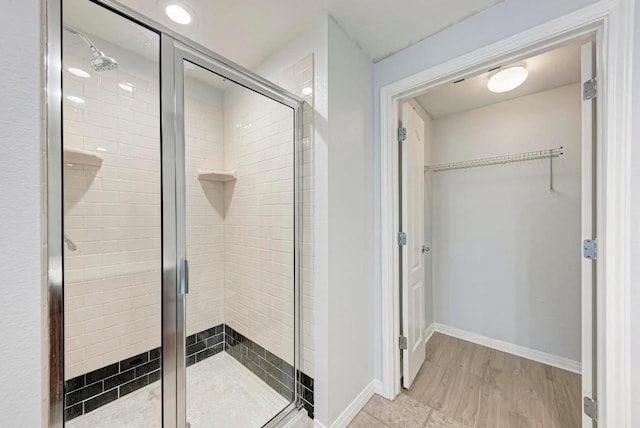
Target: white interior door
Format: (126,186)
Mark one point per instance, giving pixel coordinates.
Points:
(588,232)
(413,305)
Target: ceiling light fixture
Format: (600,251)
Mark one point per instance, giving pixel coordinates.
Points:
(307,90)
(78,72)
(178,14)
(101,149)
(507,79)
(75,99)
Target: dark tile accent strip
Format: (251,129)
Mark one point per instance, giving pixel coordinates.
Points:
(205,344)
(90,391)
(273,370)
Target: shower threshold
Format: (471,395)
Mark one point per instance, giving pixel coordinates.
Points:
(221,393)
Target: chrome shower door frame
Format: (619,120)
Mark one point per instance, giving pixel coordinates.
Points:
(184,52)
(173,49)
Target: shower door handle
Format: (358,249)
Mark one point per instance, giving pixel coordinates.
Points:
(184,277)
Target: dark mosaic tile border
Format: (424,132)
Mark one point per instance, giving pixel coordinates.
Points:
(277,373)
(90,391)
(205,344)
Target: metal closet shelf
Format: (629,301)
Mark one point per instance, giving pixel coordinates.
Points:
(504,159)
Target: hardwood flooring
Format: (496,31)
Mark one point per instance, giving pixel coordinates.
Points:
(481,387)
(464,385)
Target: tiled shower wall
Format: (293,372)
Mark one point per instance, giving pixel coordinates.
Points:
(296,79)
(259,225)
(112,213)
(204,215)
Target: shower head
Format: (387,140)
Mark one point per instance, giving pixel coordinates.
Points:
(99,62)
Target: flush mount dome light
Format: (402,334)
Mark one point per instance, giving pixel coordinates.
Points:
(178,13)
(507,79)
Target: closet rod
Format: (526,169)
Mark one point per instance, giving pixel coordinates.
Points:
(497,160)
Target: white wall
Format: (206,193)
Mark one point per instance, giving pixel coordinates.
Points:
(506,251)
(21,373)
(634,358)
(350,310)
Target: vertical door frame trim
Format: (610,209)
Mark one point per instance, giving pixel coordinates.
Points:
(612,21)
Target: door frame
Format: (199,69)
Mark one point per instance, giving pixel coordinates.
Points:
(611,21)
(184,53)
(171,44)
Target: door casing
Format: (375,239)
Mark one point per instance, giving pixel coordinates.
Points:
(611,24)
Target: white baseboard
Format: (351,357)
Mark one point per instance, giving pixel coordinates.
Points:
(428,332)
(377,387)
(354,408)
(510,348)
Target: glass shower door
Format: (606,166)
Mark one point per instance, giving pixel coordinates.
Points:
(112,225)
(236,227)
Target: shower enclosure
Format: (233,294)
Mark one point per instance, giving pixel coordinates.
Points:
(174,233)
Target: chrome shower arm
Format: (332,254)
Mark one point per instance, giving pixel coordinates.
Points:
(85,38)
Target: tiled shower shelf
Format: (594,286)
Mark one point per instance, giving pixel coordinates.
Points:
(221,176)
(81,157)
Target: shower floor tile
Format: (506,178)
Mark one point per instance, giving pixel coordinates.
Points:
(221,393)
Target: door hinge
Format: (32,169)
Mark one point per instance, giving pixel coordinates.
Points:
(402,238)
(590,249)
(590,89)
(591,408)
(404,343)
(402,134)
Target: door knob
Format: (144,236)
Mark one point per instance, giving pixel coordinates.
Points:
(425,249)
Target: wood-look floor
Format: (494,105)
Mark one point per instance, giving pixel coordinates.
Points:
(480,387)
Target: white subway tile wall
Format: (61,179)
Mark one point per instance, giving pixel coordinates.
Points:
(112,212)
(259,225)
(204,150)
(259,275)
(239,234)
(299,80)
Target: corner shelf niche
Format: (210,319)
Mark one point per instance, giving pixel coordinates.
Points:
(81,157)
(217,176)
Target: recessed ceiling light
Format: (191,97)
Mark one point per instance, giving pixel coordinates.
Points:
(307,90)
(78,72)
(101,149)
(126,86)
(507,79)
(75,99)
(178,14)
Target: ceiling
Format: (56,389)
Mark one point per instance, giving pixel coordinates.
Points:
(546,71)
(249,31)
